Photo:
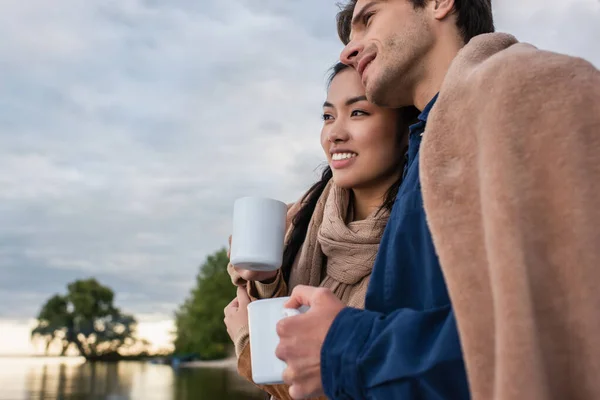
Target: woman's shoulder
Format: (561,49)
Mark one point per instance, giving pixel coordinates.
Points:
(296,205)
(294,208)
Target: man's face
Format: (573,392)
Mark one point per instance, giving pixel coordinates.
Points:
(388,45)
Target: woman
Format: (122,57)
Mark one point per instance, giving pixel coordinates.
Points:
(335,229)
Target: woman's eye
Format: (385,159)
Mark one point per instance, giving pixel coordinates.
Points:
(358,113)
(327,117)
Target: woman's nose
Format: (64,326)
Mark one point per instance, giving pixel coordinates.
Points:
(338,134)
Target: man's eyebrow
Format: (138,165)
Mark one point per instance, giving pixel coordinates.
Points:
(357,20)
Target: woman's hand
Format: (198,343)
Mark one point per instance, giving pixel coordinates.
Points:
(247,275)
(236,313)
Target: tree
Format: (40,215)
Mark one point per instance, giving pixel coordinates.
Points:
(86,318)
(199,320)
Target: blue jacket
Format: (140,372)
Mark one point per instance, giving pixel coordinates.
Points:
(405,344)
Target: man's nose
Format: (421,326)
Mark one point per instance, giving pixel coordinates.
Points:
(349,55)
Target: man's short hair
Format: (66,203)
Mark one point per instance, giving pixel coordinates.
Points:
(474,17)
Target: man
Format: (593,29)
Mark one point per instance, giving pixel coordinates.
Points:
(509,170)
(405,344)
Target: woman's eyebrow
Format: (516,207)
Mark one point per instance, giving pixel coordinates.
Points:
(356,99)
(350,101)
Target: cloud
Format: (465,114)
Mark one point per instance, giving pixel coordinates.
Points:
(128,128)
(568,27)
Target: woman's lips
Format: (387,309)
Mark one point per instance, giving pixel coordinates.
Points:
(342,160)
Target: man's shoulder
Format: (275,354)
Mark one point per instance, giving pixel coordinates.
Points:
(524,64)
(500,81)
(497,72)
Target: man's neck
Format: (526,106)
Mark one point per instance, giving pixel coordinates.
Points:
(435,67)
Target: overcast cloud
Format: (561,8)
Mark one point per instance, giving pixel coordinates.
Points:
(128,127)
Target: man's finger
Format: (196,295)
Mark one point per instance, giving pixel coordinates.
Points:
(289,326)
(242,297)
(288,376)
(301,296)
(296,393)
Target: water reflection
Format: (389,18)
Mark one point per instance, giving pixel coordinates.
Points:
(72,379)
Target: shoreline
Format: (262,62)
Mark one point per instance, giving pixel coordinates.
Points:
(226,363)
(229,363)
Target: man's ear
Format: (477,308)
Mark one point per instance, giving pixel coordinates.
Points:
(442,8)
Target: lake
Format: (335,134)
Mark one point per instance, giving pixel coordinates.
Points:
(72,379)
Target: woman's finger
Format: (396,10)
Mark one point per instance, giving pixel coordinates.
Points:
(232,306)
(229,249)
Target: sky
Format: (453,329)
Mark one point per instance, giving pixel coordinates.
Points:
(129,127)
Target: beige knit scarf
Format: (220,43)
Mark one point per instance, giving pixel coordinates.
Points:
(336,254)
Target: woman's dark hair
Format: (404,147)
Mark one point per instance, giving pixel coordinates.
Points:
(302,219)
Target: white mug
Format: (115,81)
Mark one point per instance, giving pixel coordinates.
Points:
(263,316)
(258,233)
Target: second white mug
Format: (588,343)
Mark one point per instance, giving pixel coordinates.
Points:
(263,316)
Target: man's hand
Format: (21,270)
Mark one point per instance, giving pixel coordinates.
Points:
(301,339)
(247,275)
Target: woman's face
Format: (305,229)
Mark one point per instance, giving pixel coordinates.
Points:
(360,140)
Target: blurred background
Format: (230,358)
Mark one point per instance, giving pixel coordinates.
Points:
(127,129)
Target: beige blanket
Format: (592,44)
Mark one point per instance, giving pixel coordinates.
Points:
(510,169)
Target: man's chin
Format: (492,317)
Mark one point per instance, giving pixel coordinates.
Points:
(378,95)
(383,94)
